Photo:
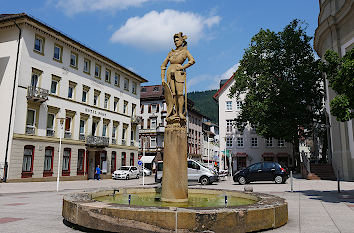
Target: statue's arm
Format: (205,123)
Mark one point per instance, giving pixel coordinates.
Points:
(163,67)
(191,61)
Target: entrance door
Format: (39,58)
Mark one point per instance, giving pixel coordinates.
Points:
(241,163)
(91,165)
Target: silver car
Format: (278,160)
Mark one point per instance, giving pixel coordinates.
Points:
(196,172)
(126,172)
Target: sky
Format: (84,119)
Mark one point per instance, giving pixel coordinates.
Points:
(138,34)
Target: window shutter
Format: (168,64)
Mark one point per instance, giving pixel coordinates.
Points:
(149,108)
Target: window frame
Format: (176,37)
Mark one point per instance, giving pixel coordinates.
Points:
(229,125)
(100,71)
(27,174)
(89,66)
(76,60)
(134,87)
(267,140)
(126,87)
(229,142)
(60,59)
(82,171)
(109,75)
(254,142)
(66,172)
(41,52)
(240,143)
(228,105)
(49,172)
(53,127)
(151,140)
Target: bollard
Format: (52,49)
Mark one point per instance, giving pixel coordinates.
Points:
(225,201)
(129,199)
(338,181)
(291,181)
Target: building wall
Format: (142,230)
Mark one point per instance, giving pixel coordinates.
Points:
(30,60)
(195,135)
(335,31)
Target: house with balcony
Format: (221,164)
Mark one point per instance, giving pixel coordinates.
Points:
(211,149)
(54,87)
(240,149)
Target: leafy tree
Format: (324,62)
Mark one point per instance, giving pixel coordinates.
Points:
(282,82)
(340,74)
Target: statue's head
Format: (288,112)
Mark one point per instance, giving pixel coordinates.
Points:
(180,39)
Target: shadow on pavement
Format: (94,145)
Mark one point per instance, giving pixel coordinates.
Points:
(330,196)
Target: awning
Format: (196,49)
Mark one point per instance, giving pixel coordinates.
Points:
(241,154)
(147,159)
(268,154)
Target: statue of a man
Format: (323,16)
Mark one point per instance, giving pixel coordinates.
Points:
(176,78)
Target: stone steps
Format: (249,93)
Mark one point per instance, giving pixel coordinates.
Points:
(321,172)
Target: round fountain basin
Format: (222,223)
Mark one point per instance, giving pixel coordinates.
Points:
(109,210)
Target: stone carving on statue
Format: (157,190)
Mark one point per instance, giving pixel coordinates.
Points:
(175,86)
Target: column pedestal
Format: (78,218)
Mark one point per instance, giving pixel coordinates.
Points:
(175,177)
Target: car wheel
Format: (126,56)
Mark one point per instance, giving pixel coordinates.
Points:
(242,180)
(204,180)
(278,179)
(127,177)
(137,176)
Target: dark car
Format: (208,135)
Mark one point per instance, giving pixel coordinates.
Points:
(263,171)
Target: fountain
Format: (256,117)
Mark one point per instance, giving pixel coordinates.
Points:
(174,206)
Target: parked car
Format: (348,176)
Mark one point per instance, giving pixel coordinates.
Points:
(196,172)
(263,171)
(126,172)
(147,172)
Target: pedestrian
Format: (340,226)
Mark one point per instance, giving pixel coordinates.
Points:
(98,172)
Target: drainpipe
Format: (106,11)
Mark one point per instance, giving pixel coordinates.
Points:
(12,102)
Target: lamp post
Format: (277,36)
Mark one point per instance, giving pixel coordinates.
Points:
(61,121)
(142,138)
(208,152)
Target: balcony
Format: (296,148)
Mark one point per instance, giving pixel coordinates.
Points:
(136,119)
(67,134)
(114,141)
(132,142)
(124,142)
(50,132)
(82,137)
(97,141)
(30,130)
(37,94)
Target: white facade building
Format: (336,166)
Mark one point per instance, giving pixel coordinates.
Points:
(211,149)
(245,147)
(59,78)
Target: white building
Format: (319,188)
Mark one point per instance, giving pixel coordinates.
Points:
(211,149)
(335,32)
(195,132)
(53,77)
(245,147)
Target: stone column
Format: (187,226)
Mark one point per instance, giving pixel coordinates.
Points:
(175,178)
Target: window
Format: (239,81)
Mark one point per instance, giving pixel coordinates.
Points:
(113,162)
(30,122)
(35,78)
(255,167)
(73,59)
(97,71)
(143,89)
(96,97)
(141,108)
(154,108)
(228,105)
(66,161)
(254,142)
(48,161)
(156,88)
(116,79)
(281,143)
(94,127)
(87,66)
(134,86)
(82,127)
(153,122)
(53,87)
(269,142)
(126,84)
(107,76)
(70,92)
(228,142)
(104,130)
(39,44)
(153,142)
(239,142)
(124,132)
(114,130)
(68,124)
(228,126)
(133,109)
(27,164)
(106,101)
(80,161)
(50,125)
(103,158)
(115,104)
(123,159)
(131,159)
(84,96)
(58,51)
(238,105)
(125,107)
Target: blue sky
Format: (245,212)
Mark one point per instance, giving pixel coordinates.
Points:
(138,33)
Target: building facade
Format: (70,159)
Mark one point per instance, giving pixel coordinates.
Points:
(62,89)
(195,132)
(246,147)
(335,32)
(211,149)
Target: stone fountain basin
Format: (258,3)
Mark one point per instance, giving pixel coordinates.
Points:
(82,210)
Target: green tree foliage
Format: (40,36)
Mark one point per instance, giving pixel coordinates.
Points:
(282,82)
(340,74)
(205,104)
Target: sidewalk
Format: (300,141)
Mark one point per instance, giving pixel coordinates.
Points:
(314,206)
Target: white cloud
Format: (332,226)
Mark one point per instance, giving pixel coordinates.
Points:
(210,82)
(154,30)
(71,7)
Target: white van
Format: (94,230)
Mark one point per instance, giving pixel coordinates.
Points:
(196,172)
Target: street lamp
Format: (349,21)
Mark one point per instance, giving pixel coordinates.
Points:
(61,121)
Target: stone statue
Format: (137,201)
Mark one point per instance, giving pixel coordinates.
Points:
(176,79)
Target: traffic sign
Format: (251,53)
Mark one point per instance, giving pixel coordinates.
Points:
(140,163)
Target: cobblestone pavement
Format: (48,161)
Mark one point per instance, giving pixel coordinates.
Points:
(315,206)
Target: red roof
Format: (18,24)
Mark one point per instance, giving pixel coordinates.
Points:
(222,88)
(151,92)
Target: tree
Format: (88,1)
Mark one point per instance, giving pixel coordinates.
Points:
(282,82)
(340,75)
